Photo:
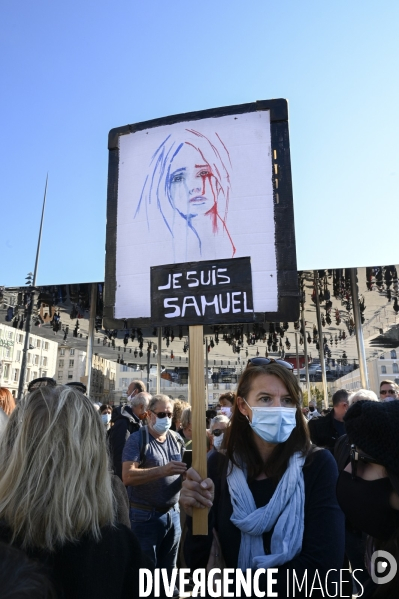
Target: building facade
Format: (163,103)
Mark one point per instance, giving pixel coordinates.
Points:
(381,368)
(41,360)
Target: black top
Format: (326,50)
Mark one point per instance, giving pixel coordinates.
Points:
(108,569)
(325,430)
(125,422)
(323,539)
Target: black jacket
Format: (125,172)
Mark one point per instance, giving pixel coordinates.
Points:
(124,424)
(89,569)
(342,451)
(323,432)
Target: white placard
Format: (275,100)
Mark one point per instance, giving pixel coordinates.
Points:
(192,191)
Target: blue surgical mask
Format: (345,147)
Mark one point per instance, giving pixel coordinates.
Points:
(162,425)
(106,418)
(273,425)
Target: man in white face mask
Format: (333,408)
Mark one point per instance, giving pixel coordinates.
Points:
(152,470)
(218,426)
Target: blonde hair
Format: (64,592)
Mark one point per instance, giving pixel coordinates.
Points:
(186,417)
(7,401)
(179,405)
(55,485)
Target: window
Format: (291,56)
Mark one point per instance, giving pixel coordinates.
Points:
(45,346)
(36,360)
(38,343)
(60,363)
(60,375)
(9,334)
(395,368)
(44,361)
(70,375)
(7,352)
(34,376)
(72,352)
(27,375)
(6,371)
(393,355)
(29,360)
(20,338)
(71,363)
(62,352)
(18,358)
(15,375)
(383,369)
(44,372)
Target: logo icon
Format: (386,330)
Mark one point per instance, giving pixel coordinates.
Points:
(383,567)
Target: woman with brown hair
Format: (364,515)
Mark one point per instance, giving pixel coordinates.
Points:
(7,401)
(271,494)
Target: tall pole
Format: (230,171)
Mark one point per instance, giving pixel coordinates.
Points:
(159,358)
(30,306)
(359,331)
(206,372)
(305,347)
(321,344)
(298,375)
(148,367)
(90,339)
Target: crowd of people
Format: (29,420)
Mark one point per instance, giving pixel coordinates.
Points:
(90,494)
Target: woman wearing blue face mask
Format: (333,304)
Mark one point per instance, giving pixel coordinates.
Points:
(271,494)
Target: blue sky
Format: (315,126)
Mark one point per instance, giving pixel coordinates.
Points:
(72,71)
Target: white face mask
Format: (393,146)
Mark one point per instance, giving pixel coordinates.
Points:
(217,441)
(106,418)
(226,411)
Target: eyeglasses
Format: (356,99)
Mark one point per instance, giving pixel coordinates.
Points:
(43,381)
(46,381)
(355,456)
(162,414)
(266,361)
(389,391)
(76,385)
(217,432)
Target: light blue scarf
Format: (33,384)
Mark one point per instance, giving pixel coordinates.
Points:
(285,510)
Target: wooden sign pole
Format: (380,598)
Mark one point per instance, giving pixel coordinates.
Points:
(198,417)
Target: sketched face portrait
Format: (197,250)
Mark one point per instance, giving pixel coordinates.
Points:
(189,184)
(191,191)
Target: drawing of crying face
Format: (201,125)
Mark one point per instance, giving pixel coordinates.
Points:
(192,185)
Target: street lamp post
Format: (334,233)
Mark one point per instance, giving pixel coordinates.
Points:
(30,306)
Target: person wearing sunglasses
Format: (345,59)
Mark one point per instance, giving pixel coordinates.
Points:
(152,469)
(270,494)
(388,391)
(368,488)
(217,430)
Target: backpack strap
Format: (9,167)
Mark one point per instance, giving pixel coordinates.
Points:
(144,443)
(178,440)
